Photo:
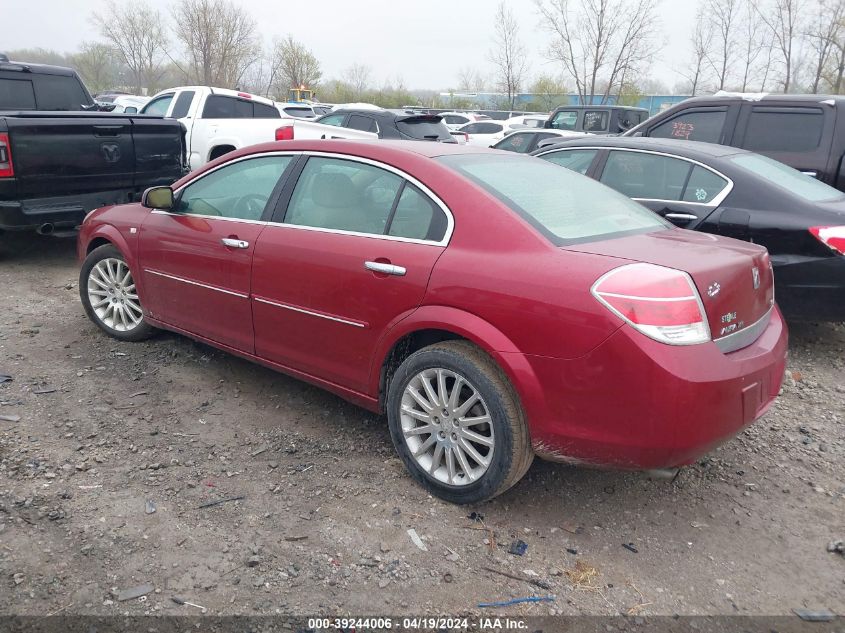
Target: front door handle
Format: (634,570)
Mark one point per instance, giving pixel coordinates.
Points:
(685,217)
(232,242)
(386,269)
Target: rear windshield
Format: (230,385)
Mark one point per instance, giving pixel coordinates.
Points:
(425,129)
(301,113)
(792,180)
(43,92)
(16,94)
(566,207)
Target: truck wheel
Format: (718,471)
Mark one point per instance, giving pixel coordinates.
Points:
(108,294)
(457,424)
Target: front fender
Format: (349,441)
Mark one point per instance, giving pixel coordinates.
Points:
(113,235)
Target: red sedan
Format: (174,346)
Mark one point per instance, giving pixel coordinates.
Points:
(492,304)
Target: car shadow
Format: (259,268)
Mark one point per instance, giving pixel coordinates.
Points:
(28,247)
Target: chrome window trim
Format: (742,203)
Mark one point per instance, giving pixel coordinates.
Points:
(285,306)
(207,217)
(746,336)
(196,283)
(715,202)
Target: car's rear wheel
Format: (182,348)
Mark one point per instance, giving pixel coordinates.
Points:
(457,423)
(109,296)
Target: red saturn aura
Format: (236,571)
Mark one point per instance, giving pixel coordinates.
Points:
(494,306)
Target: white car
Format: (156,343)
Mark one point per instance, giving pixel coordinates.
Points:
(484,133)
(455,120)
(129,104)
(526,140)
(527,120)
(296,110)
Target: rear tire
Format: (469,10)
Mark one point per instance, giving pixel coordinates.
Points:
(482,425)
(108,294)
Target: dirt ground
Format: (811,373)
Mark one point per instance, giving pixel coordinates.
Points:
(119,444)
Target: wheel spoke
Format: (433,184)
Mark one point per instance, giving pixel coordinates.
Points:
(102,284)
(467,405)
(421,430)
(472,436)
(456,392)
(429,391)
(442,394)
(462,459)
(425,446)
(436,458)
(481,419)
(417,415)
(481,461)
(100,303)
(420,400)
(450,464)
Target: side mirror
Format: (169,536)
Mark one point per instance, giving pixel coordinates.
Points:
(158,198)
(547,124)
(130,110)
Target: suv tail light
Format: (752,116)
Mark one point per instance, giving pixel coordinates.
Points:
(284,133)
(831,236)
(662,303)
(7,169)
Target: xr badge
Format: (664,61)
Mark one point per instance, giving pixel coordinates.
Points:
(713,289)
(755,274)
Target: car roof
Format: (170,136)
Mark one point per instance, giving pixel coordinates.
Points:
(690,149)
(800,98)
(605,106)
(40,69)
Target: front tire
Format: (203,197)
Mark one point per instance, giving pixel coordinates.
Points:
(109,296)
(457,424)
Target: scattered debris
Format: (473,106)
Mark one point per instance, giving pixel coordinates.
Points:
(180,601)
(630,547)
(259,451)
(5,378)
(507,603)
(518,548)
(476,516)
(821,615)
(583,576)
(210,504)
(447,577)
(134,592)
(39,392)
(415,538)
(298,537)
(572,528)
(572,551)
(836,547)
(139,393)
(542,584)
(10,418)
(253,561)
(150,506)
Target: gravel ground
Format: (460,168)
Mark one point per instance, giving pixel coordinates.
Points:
(119,445)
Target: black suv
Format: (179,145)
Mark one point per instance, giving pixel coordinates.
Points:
(596,119)
(807,132)
(392,125)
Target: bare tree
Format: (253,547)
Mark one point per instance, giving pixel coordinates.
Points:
(548,91)
(359,78)
(293,66)
(97,65)
(137,33)
(826,31)
(508,54)
(600,42)
(783,21)
(753,34)
(218,38)
(470,80)
(723,16)
(702,39)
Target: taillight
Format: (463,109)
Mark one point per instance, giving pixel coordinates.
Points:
(244,95)
(7,169)
(284,133)
(662,303)
(831,236)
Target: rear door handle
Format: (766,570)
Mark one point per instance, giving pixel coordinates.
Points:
(688,217)
(811,174)
(232,242)
(386,269)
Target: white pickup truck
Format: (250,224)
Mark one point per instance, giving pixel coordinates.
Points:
(219,121)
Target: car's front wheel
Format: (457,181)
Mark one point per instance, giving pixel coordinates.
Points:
(109,296)
(457,423)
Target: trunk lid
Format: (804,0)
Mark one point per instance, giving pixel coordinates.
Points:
(734,296)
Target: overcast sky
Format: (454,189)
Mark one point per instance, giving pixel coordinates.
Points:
(424,43)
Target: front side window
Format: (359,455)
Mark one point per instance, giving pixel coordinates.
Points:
(784,129)
(515,143)
(159,105)
(575,159)
(705,126)
(565,120)
(786,178)
(239,190)
(564,206)
(596,120)
(646,176)
(334,119)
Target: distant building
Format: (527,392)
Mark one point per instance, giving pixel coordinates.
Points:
(490,100)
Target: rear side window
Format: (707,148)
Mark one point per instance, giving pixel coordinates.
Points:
(300,113)
(363,123)
(565,120)
(575,159)
(646,176)
(784,129)
(221,107)
(425,129)
(183,104)
(59,92)
(703,186)
(596,120)
(452,119)
(16,94)
(564,206)
(417,217)
(705,126)
(264,111)
(482,127)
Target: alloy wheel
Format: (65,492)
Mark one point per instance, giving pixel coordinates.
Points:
(113,297)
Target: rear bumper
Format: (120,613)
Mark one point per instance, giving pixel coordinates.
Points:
(811,288)
(635,403)
(60,211)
